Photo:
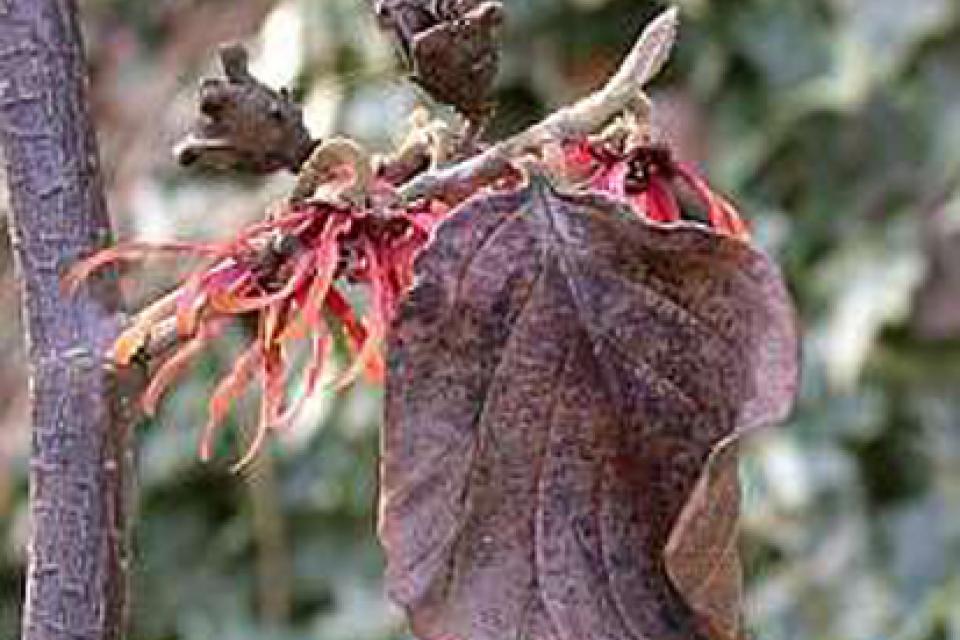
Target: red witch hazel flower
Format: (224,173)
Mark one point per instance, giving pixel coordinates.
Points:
(282,272)
(649,178)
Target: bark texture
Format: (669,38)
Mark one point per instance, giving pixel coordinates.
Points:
(76,581)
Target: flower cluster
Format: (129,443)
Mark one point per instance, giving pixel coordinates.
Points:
(283,273)
(652,181)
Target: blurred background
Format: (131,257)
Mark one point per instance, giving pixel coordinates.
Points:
(835,124)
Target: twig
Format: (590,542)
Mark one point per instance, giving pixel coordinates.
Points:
(624,90)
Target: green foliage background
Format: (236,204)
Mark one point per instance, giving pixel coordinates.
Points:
(835,124)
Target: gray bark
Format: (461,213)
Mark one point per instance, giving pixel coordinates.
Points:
(76,579)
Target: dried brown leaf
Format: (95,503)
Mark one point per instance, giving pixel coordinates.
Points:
(451,47)
(244,123)
(559,377)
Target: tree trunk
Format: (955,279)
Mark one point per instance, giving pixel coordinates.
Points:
(76,580)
